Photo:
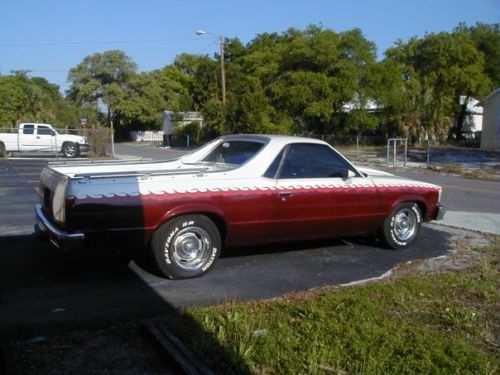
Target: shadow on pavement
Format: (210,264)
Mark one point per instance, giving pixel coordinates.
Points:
(43,292)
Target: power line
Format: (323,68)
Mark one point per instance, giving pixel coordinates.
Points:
(207,47)
(42,70)
(47,44)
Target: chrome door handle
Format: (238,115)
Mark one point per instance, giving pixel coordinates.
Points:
(284,195)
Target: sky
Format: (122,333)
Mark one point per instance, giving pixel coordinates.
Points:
(49,37)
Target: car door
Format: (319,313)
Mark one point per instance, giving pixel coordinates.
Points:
(45,138)
(27,138)
(320,195)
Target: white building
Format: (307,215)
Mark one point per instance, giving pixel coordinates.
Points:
(473,122)
(490,136)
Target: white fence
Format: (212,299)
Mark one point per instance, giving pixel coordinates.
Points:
(147,135)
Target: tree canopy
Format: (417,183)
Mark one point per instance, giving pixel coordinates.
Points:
(311,81)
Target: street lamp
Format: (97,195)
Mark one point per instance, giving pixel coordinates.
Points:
(222,72)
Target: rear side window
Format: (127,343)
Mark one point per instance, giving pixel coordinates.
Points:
(29,129)
(273,168)
(234,152)
(44,130)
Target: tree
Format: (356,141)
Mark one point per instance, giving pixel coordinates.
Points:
(319,73)
(148,94)
(101,77)
(14,98)
(486,38)
(249,110)
(444,71)
(29,99)
(202,79)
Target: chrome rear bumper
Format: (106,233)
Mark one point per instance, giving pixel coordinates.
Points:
(65,241)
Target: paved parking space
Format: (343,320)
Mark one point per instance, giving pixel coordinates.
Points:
(18,195)
(40,286)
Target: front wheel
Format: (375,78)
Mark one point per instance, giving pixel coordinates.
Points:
(402,226)
(71,150)
(187,246)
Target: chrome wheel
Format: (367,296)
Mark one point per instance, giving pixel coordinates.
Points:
(401,227)
(70,150)
(191,248)
(405,225)
(186,246)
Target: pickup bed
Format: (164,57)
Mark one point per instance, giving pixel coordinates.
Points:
(42,137)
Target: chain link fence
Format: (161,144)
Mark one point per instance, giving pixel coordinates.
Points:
(376,150)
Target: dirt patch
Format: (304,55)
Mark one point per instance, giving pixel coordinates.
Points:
(119,349)
(464,256)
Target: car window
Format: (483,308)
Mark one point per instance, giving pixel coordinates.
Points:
(273,168)
(28,129)
(313,161)
(233,152)
(44,130)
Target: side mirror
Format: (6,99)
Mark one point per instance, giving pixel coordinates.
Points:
(350,174)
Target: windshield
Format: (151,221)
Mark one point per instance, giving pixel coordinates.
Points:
(233,152)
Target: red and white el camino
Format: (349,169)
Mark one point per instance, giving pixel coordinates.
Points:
(236,190)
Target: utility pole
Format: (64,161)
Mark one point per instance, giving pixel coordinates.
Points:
(222,69)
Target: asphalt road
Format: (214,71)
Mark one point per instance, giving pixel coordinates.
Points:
(41,288)
(459,194)
(470,204)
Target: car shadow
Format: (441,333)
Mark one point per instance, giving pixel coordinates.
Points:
(45,292)
(366,243)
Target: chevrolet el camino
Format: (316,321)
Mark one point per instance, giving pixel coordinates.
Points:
(237,190)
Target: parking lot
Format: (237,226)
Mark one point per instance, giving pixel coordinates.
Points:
(40,286)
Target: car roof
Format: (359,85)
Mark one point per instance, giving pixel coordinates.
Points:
(275,139)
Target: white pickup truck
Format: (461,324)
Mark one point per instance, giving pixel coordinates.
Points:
(44,138)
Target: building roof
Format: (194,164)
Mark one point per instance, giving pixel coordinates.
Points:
(494,93)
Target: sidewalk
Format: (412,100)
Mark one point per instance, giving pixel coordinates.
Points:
(478,221)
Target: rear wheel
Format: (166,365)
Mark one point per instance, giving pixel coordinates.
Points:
(187,246)
(402,226)
(71,150)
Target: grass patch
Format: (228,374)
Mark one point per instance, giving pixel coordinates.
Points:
(445,323)
(482,173)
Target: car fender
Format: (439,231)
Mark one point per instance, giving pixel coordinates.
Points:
(187,209)
(422,204)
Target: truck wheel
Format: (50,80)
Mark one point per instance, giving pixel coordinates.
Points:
(71,150)
(402,226)
(187,246)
